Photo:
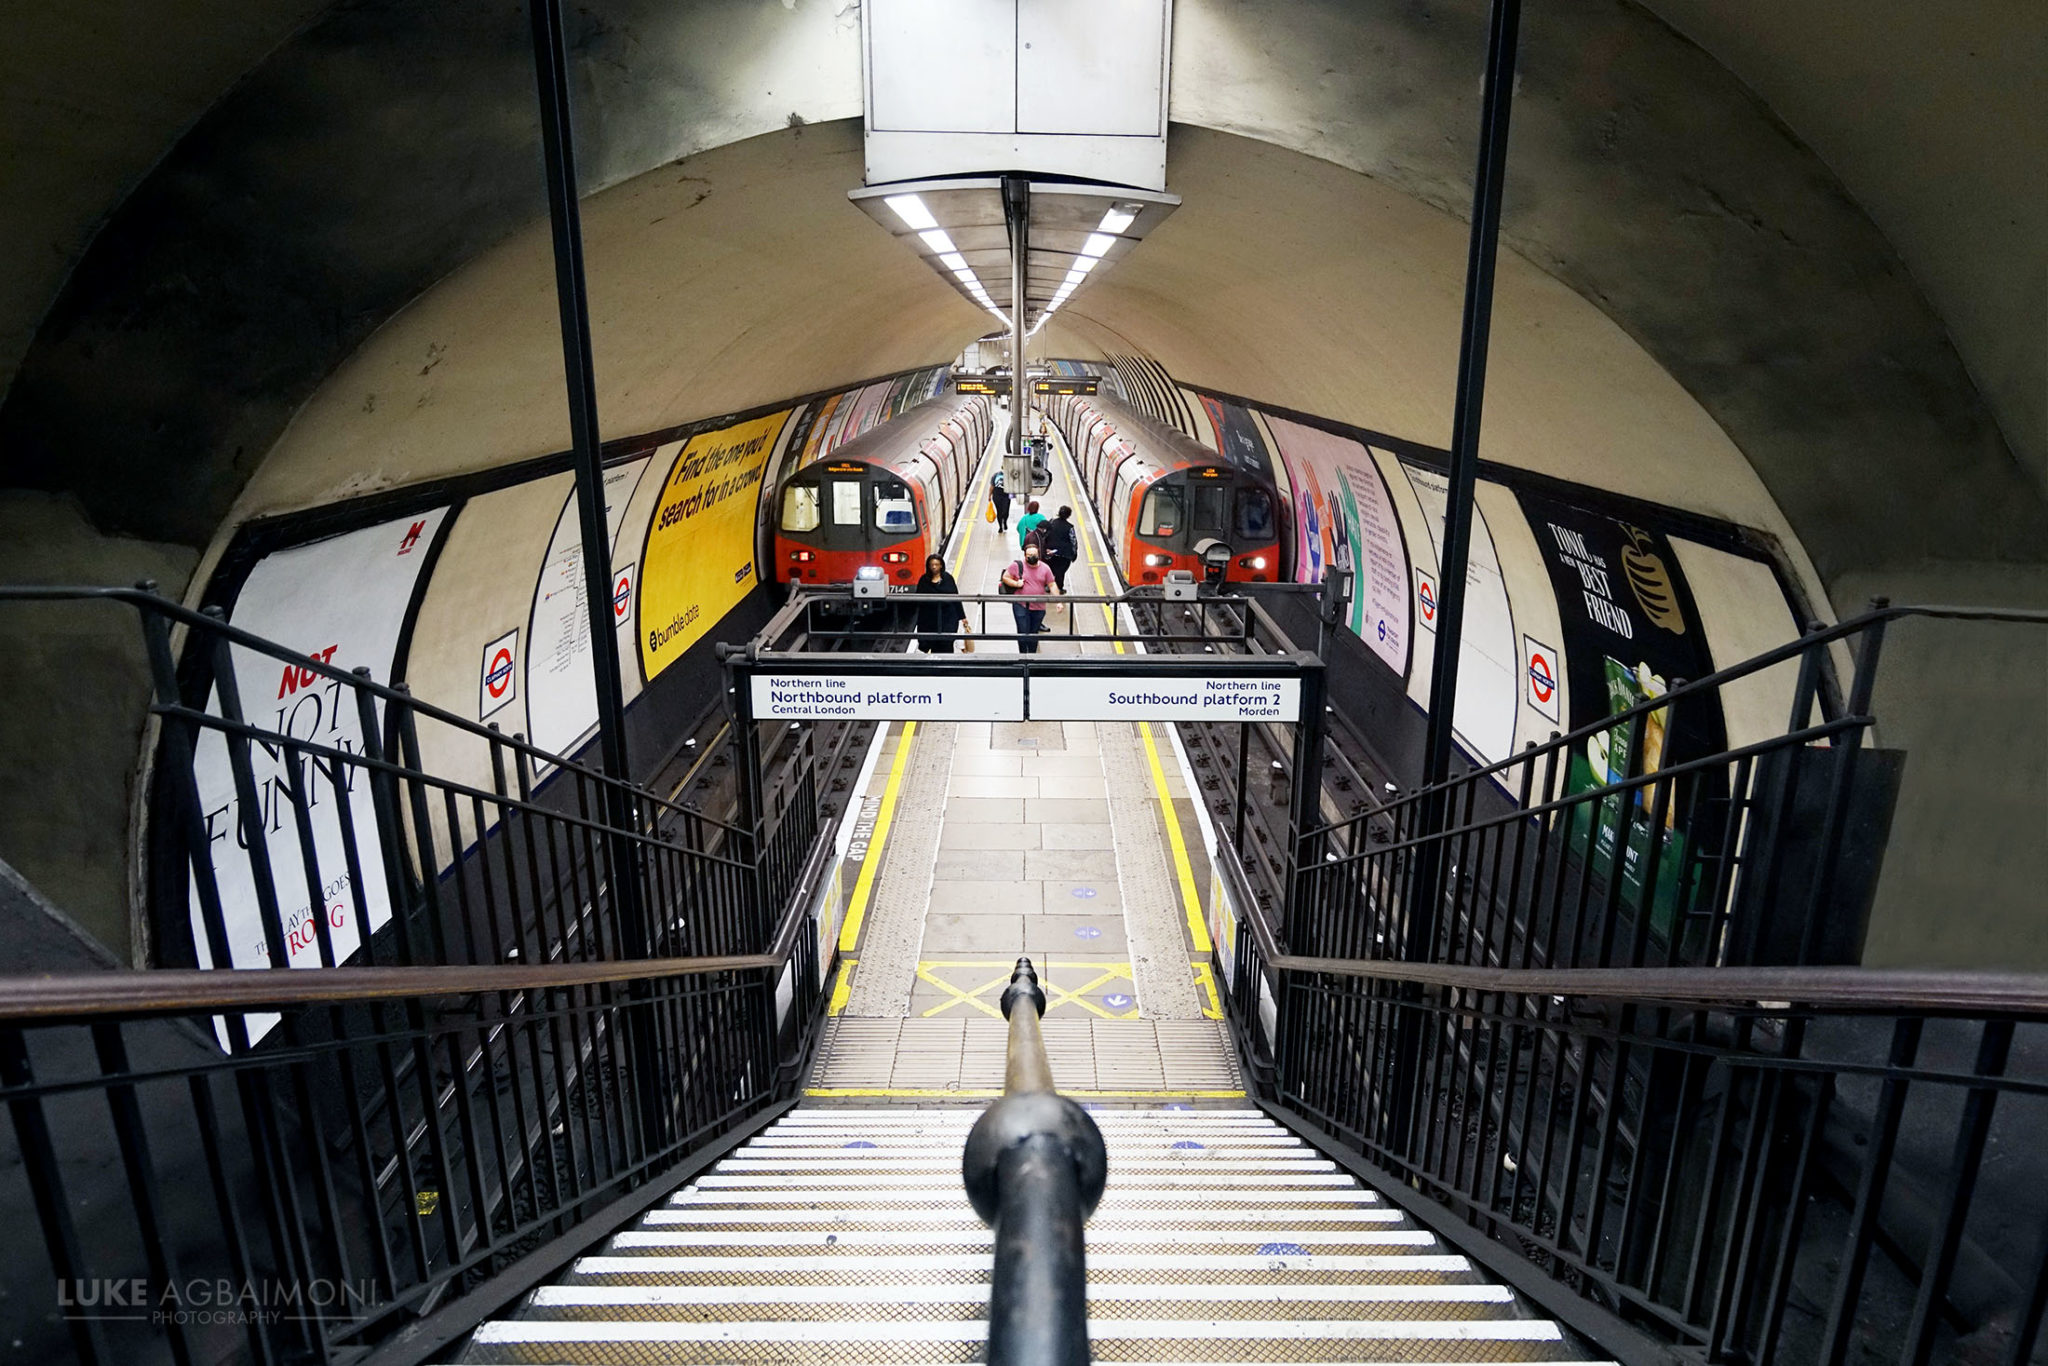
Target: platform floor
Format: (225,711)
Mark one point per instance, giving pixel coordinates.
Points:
(1060,840)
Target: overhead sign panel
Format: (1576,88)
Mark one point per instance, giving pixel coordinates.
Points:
(888,697)
(1066,386)
(1135,697)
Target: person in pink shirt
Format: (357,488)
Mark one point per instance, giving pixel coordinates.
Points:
(1029,580)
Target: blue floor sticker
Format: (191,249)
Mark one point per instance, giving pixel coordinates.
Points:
(1117,1000)
(1085,893)
(1282,1250)
(1088,932)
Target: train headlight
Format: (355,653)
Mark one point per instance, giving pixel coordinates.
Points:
(1159,559)
(896,557)
(869,583)
(1253,562)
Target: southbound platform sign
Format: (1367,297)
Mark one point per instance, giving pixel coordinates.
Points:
(934,696)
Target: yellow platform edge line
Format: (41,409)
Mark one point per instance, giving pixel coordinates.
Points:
(842,986)
(1184,870)
(864,885)
(941,1093)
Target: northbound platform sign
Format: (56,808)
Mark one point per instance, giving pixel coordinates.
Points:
(960,695)
(888,697)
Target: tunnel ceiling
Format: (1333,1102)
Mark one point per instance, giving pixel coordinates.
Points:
(241,196)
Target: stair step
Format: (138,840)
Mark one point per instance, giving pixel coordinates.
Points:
(647,1264)
(1192,1339)
(954,1197)
(893,1217)
(828,1179)
(1213,1239)
(1105,1292)
(861,1160)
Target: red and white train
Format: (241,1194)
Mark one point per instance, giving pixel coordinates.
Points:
(1167,502)
(886,499)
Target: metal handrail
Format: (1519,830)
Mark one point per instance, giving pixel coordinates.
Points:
(1035,1167)
(1843,988)
(1881,613)
(146,599)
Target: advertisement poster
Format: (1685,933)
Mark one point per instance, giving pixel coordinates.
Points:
(1630,632)
(1237,436)
(1490,662)
(1370,541)
(342,601)
(703,525)
(561,684)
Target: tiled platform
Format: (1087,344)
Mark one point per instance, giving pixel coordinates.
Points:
(1047,839)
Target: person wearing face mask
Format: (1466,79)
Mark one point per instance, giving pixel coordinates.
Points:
(1028,580)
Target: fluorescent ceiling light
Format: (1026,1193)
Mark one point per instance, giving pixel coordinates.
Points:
(1084,265)
(1098,244)
(966,277)
(937,240)
(912,211)
(1116,220)
(953,260)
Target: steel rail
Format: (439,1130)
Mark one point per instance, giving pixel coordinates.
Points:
(1875,990)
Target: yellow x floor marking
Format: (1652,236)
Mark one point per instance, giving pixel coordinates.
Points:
(1055,994)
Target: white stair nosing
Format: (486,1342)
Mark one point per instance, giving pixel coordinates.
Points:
(974,1330)
(951,1196)
(693,1215)
(861,1161)
(647,1264)
(602,1296)
(889,1237)
(766,1181)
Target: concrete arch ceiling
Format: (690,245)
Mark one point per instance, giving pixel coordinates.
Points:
(388,144)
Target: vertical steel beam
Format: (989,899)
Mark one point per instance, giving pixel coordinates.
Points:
(1017,216)
(1490,184)
(551,65)
(622,854)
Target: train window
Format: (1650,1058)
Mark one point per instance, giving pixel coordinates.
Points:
(1162,512)
(846,502)
(800,507)
(1255,514)
(894,510)
(1211,512)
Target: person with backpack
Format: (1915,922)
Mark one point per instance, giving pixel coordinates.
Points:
(1028,523)
(1027,582)
(999,499)
(1060,544)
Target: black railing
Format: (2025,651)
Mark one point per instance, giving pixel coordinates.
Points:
(1035,1167)
(452,842)
(1551,1022)
(553,1011)
(407,1151)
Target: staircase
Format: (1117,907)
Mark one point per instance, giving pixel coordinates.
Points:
(844,1236)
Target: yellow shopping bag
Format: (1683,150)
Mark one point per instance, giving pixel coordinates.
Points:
(988,514)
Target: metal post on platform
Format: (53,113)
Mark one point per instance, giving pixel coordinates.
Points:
(1305,801)
(1491,183)
(551,72)
(1017,215)
(1424,907)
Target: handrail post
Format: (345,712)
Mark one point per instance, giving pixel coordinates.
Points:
(1035,1167)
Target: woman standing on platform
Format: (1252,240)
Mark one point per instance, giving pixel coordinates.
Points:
(999,499)
(937,621)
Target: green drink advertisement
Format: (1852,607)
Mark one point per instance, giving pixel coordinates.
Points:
(1631,633)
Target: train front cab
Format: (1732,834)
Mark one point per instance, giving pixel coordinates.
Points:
(836,517)
(1214,522)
